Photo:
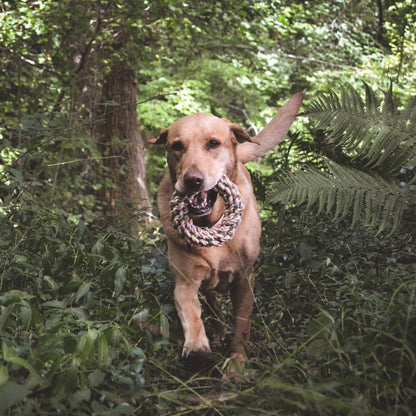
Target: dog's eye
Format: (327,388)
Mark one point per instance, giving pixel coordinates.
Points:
(177,146)
(213,144)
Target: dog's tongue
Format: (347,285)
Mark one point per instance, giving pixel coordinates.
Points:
(202,202)
(200,199)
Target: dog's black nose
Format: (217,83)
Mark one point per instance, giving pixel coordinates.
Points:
(193,180)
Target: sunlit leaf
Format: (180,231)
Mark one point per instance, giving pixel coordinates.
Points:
(141,317)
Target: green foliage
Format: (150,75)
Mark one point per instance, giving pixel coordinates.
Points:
(88,326)
(87,321)
(380,145)
(378,137)
(67,342)
(399,30)
(343,307)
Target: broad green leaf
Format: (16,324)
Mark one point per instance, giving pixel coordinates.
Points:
(80,396)
(138,352)
(102,351)
(83,290)
(5,313)
(51,283)
(96,378)
(11,393)
(10,356)
(141,317)
(70,344)
(26,315)
(58,304)
(98,247)
(4,375)
(119,280)
(70,377)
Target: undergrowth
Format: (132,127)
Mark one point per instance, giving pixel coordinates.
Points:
(88,325)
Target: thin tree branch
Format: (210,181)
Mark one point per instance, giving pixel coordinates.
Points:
(242,110)
(227,46)
(317,61)
(284,55)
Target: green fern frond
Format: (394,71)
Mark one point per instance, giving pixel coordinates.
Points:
(380,187)
(353,193)
(379,136)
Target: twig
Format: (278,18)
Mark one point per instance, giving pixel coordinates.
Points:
(317,61)
(81,160)
(252,125)
(284,55)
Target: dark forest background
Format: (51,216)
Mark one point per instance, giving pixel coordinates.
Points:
(87,321)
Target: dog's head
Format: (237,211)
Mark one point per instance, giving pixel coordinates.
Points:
(201,148)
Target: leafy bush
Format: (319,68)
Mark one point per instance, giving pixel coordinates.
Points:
(335,321)
(67,300)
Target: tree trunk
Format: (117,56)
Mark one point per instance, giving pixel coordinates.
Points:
(120,141)
(381,31)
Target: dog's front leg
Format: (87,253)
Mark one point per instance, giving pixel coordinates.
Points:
(189,311)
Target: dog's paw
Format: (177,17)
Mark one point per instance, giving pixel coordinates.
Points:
(201,345)
(239,358)
(234,368)
(203,362)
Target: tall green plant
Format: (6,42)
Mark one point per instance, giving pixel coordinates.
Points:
(380,184)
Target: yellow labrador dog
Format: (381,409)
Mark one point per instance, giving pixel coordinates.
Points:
(200,149)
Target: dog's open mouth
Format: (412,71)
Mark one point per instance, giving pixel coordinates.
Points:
(201,203)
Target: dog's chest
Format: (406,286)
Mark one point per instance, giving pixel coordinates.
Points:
(224,270)
(220,280)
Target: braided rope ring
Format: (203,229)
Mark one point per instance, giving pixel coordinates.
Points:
(219,233)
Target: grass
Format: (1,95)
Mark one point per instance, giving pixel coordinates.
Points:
(88,325)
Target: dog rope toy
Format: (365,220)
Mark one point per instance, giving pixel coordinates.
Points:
(223,230)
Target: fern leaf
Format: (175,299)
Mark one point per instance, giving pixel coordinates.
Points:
(354,194)
(376,135)
(389,108)
(408,117)
(358,204)
(380,138)
(371,102)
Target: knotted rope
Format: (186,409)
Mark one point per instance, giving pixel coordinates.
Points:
(220,232)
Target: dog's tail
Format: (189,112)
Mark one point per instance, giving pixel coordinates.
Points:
(273,133)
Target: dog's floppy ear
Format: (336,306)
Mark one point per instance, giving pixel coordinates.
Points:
(162,139)
(239,134)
